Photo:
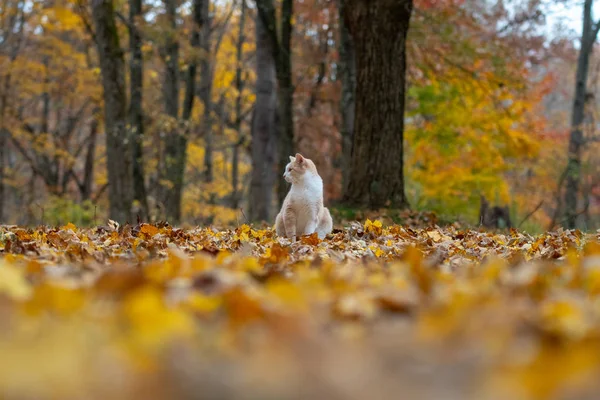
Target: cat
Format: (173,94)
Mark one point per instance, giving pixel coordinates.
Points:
(303,212)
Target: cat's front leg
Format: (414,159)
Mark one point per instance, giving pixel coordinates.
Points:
(311,226)
(289,222)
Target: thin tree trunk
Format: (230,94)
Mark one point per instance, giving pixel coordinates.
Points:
(322,70)
(347,66)
(239,86)
(378,30)
(176,140)
(48,165)
(2,164)
(112,65)
(263,128)
(88,169)
(3,144)
(190,87)
(205,92)
(136,115)
(588,37)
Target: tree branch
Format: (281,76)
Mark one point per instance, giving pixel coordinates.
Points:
(85,18)
(530,213)
(28,158)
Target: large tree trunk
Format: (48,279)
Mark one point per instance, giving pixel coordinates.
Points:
(263,128)
(282,56)
(588,37)
(347,68)
(239,86)
(136,116)
(378,29)
(176,141)
(285,95)
(118,149)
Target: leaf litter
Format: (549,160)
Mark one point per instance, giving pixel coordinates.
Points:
(372,311)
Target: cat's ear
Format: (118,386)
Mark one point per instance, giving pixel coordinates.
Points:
(299,158)
(292,158)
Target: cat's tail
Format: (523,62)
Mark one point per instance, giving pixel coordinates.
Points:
(279,226)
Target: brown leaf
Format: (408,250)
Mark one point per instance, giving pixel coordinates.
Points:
(149,230)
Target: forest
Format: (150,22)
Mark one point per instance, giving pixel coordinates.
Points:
(211,97)
(291,199)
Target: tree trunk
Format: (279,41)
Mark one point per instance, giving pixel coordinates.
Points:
(205,93)
(2,162)
(3,145)
(88,169)
(136,116)
(282,56)
(175,142)
(263,128)
(239,86)
(285,96)
(588,37)
(190,87)
(112,65)
(347,68)
(378,30)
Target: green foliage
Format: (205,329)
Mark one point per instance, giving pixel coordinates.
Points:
(59,211)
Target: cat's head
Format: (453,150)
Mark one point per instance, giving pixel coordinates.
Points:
(298,168)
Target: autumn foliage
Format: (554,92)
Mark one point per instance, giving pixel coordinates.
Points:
(486,110)
(161,312)
(419,304)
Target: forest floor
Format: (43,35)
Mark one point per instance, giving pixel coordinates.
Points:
(371,312)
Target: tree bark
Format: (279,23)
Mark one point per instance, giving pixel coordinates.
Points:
(3,145)
(347,68)
(190,87)
(588,37)
(175,142)
(118,149)
(136,115)
(378,30)
(88,169)
(2,167)
(205,92)
(285,95)
(263,128)
(282,56)
(239,86)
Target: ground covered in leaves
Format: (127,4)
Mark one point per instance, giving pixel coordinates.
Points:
(372,311)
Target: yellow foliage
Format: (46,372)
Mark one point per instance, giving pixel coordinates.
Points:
(13,282)
(469,137)
(69,315)
(197,196)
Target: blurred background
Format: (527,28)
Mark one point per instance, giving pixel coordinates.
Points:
(489,104)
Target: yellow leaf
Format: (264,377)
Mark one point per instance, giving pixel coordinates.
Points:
(149,230)
(203,304)
(13,282)
(152,323)
(70,226)
(288,293)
